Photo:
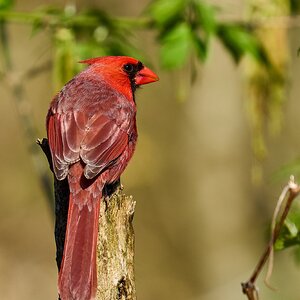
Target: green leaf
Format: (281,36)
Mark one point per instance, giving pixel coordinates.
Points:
(6,4)
(200,47)
(176,46)
(165,11)
(206,17)
(291,227)
(279,245)
(289,235)
(239,41)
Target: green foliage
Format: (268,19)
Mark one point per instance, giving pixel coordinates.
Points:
(290,234)
(184,29)
(176,46)
(240,41)
(205,17)
(166,12)
(81,35)
(186,26)
(6,4)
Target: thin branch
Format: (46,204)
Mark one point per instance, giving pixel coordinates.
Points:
(273,226)
(46,19)
(84,21)
(291,190)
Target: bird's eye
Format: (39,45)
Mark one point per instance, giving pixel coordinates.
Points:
(129,68)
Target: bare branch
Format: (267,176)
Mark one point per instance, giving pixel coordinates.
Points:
(291,191)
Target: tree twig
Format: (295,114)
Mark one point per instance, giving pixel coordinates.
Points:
(46,19)
(291,190)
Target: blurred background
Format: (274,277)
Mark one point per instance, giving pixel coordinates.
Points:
(218,138)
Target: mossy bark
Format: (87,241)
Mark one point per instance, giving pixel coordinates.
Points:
(115,251)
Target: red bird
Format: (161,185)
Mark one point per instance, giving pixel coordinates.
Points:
(91,127)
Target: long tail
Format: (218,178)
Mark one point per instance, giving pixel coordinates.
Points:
(78,275)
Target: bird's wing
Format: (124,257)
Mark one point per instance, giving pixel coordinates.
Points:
(103,142)
(97,134)
(65,132)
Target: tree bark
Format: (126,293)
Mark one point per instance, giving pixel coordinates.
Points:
(115,247)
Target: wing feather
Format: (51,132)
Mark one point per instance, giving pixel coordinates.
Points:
(60,167)
(97,134)
(102,145)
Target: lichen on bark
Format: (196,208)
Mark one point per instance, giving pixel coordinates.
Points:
(115,249)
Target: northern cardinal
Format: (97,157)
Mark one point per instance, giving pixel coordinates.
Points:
(91,127)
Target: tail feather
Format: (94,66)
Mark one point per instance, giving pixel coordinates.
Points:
(78,275)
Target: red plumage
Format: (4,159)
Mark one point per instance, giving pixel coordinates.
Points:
(92,134)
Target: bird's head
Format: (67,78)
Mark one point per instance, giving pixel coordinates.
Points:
(122,72)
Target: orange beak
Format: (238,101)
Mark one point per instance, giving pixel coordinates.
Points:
(145,76)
